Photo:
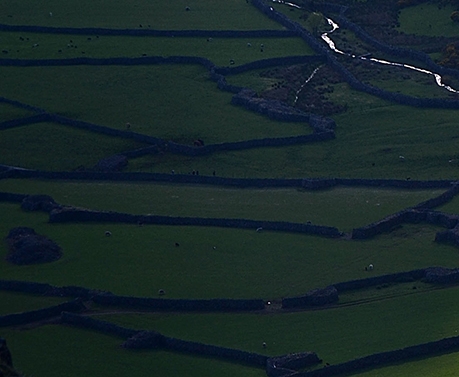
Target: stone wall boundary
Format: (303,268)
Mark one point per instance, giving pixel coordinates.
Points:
(181,305)
(40,314)
(149,32)
(24,121)
(302,183)
(90,323)
(378,360)
(70,214)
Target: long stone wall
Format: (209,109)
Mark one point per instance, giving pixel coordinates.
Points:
(305,183)
(247,144)
(90,323)
(182,305)
(68,214)
(149,32)
(386,358)
(151,340)
(41,314)
(24,121)
(406,216)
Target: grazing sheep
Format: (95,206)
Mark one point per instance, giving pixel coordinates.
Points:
(249,44)
(161,292)
(128,125)
(263,344)
(50,14)
(215,248)
(108,233)
(187,8)
(370,267)
(401,158)
(177,244)
(259,229)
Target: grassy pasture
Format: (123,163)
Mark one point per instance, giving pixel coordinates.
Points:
(411,83)
(177,102)
(119,14)
(9,112)
(49,146)
(140,260)
(74,353)
(337,335)
(428,19)
(219,50)
(444,366)
(20,302)
(371,131)
(451,207)
(345,208)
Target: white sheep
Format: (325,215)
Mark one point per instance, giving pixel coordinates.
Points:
(108,233)
(370,267)
(259,229)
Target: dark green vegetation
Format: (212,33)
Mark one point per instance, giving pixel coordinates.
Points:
(181,103)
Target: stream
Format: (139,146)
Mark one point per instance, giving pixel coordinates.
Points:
(325,37)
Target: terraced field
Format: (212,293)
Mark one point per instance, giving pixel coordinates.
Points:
(226,189)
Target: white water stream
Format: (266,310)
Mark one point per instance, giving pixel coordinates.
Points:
(325,37)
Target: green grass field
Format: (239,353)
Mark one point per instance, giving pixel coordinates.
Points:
(218,50)
(265,265)
(428,19)
(147,97)
(20,302)
(36,146)
(180,103)
(118,14)
(345,208)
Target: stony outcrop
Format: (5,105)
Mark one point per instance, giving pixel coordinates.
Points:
(27,247)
